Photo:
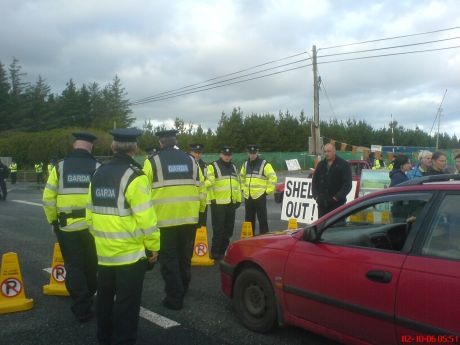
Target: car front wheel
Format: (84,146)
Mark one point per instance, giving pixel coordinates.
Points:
(254,300)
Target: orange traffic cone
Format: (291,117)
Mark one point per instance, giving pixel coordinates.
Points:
(201,249)
(56,286)
(12,295)
(246,230)
(292,224)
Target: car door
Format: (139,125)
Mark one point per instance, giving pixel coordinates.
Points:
(347,281)
(428,297)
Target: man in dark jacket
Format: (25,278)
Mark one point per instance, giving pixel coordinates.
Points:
(331,181)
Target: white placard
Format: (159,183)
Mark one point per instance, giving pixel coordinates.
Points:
(298,200)
(375,148)
(292,164)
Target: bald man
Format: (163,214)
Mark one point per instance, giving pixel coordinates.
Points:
(331,181)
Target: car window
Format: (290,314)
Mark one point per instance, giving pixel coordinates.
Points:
(443,238)
(383,225)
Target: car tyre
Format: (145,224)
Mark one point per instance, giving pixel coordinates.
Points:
(254,301)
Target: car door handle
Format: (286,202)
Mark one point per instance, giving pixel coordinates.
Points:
(379,276)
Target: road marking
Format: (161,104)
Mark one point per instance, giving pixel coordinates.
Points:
(28,203)
(149,315)
(157,319)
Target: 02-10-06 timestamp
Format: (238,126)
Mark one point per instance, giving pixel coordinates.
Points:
(430,339)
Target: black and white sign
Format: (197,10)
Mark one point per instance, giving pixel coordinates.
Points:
(298,200)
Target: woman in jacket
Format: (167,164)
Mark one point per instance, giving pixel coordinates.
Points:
(400,168)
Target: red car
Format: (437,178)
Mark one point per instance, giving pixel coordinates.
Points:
(382,269)
(356,167)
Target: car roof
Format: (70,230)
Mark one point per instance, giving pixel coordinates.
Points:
(445,182)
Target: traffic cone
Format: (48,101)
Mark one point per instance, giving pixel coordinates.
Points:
(292,224)
(201,249)
(56,286)
(12,295)
(246,230)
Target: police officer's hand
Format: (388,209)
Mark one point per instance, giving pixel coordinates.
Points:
(54,227)
(153,257)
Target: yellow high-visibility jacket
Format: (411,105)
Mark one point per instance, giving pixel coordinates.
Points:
(177,183)
(257,177)
(223,183)
(120,214)
(65,193)
(13,167)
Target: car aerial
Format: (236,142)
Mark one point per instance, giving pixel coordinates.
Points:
(382,269)
(356,165)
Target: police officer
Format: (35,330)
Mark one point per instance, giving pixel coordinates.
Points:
(64,201)
(4,173)
(259,180)
(13,171)
(178,196)
(39,172)
(123,222)
(196,150)
(224,195)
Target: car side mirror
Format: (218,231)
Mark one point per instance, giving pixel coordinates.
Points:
(310,234)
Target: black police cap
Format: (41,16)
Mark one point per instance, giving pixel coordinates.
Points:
(170,133)
(128,135)
(226,150)
(253,147)
(197,147)
(84,136)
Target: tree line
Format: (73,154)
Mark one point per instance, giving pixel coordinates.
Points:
(31,112)
(32,107)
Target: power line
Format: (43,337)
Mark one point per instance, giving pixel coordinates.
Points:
(392,47)
(218,86)
(390,54)
(390,38)
(224,75)
(176,93)
(204,88)
(323,88)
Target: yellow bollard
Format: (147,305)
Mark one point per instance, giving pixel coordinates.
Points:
(292,224)
(246,230)
(201,249)
(12,295)
(56,286)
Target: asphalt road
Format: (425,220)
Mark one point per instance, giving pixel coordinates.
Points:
(207,316)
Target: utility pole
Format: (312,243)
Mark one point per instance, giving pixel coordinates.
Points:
(315,134)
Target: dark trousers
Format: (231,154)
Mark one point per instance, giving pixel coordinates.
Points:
(119,291)
(13,177)
(3,188)
(223,222)
(39,178)
(257,207)
(80,261)
(328,207)
(176,249)
(203,218)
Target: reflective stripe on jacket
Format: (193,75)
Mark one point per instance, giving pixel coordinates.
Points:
(257,177)
(67,188)
(120,214)
(223,183)
(178,192)
(13,167)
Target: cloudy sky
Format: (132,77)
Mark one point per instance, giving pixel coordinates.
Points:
(157,46)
